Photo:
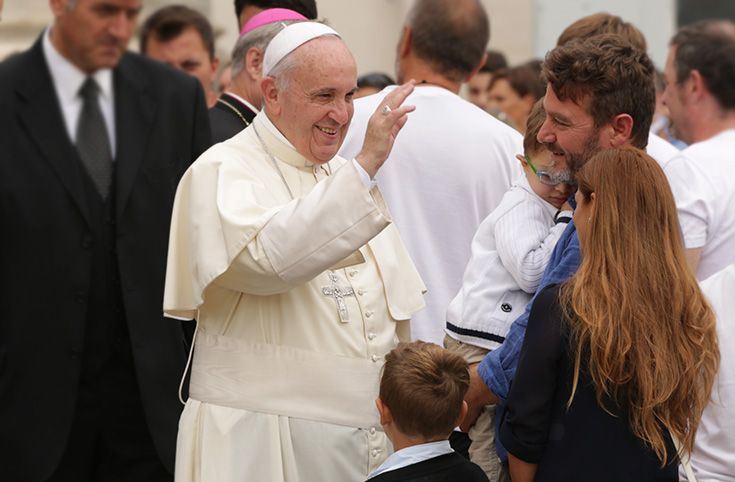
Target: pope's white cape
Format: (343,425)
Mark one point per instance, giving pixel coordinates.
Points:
(278,378)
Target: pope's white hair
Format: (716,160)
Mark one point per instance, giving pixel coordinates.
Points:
(283,70)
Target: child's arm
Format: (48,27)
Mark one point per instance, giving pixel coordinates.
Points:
(525,242)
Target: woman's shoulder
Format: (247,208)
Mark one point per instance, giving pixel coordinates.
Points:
(547,297)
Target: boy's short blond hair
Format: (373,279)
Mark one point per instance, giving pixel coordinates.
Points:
(535,120)
(424,385)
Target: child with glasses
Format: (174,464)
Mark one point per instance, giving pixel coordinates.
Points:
(509,255)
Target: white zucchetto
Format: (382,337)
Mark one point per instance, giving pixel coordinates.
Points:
(291,38)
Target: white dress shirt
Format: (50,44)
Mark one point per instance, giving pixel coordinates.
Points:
(67,80)
(413,455)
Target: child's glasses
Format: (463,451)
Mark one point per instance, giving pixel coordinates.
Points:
(552,178)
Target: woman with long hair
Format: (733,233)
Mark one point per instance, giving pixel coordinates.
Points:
(619,361)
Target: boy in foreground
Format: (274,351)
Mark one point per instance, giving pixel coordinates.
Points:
(421,401)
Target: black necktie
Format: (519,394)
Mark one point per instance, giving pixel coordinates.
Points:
(93,143)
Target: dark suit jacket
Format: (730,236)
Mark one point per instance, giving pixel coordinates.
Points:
(45,255)
(223,119)
(445,468)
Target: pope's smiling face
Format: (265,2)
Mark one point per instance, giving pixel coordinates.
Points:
(314,106)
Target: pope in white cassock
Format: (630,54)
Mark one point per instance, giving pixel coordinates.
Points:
(286,257)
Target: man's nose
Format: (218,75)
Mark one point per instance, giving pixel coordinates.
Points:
(546,134)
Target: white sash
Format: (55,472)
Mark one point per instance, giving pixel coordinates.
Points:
(287,381)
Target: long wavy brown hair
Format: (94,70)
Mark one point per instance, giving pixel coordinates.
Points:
(640,325)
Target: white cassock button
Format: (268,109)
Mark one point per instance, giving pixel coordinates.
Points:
(375,452)
(353,273)
(361,292)
(374,358)
(368,314)
(372,430)
(371,336)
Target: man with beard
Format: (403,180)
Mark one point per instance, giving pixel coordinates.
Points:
(605,23)
(600,94)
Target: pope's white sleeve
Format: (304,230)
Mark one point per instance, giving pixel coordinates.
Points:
(308,235)
(525,242)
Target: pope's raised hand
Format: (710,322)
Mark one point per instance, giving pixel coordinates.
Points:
(383,127)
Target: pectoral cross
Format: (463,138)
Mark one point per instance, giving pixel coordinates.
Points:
(339,293)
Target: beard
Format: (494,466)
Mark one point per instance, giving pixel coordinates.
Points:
(575,161)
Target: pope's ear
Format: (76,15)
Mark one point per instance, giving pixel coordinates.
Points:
(270,94)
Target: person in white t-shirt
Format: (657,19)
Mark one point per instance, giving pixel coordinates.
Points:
(713,457)
(700,94)
(452,163)
(510,252)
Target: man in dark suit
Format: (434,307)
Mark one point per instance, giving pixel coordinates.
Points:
(93,143)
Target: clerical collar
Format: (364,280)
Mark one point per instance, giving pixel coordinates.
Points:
(243,101)
(68,78)
(276,143)
(273,129)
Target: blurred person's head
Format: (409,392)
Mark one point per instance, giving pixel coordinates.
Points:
(183,38)
(550,180)
(249,51)
(599,95)
(700,79)
(307,93)
(603,23)
(372,83)
(93,34)
(225,78)
(443,42)
(634,284)
(513,92)
(246,9)
(478,84)
(422,391)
